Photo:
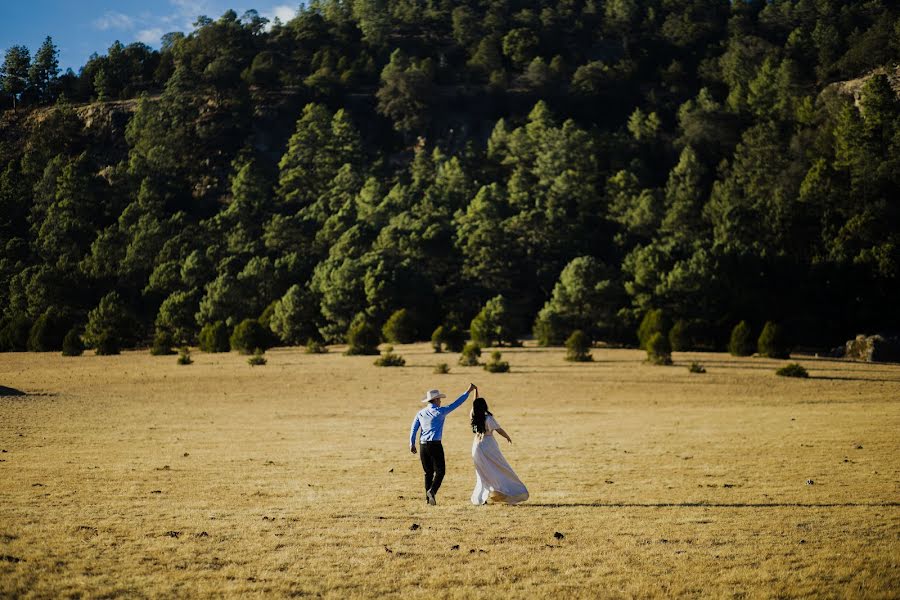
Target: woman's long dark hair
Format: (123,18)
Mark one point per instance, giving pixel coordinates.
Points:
(479,415)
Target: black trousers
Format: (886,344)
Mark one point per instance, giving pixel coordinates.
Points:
(432,455)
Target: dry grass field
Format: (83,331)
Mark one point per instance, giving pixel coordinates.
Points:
(132,476)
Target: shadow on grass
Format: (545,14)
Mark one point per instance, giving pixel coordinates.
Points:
(839,378)
(8,391)
(711,504)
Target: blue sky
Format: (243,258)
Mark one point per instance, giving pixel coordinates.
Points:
(81,27)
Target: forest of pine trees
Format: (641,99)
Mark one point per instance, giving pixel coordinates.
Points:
(508,167)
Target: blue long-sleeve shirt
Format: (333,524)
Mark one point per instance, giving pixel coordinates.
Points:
(431,421)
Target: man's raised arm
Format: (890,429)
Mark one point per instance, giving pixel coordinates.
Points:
(458,402)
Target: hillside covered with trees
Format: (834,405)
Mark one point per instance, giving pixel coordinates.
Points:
(546,165)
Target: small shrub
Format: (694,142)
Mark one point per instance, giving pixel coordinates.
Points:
(772,342)
(184,357)
(679,336)
(652,323)
(214,337)
(72,344)
(399,328)
(696,368)
(438,338)
(48,331)
(495,365)
(658,350)
(257,360)
(107,344)
(454,338)
(470,355)
(389,359)
(362,337)
(249,335)
(741,343)
(162,344)
(314,346)
(578,346)
(441,369)
(792,370)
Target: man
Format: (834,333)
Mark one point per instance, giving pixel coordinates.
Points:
(431,421)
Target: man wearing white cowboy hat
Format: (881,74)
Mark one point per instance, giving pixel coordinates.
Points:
(431,421)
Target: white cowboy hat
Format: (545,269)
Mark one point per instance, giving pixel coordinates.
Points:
(433,395)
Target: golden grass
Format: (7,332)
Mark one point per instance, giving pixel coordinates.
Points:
(133,476)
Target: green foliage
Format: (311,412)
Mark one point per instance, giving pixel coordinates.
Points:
(496,365)
(184,356)
(438,338)
(696,367)
(48,331)
(658,350)
(258,359)
(389,359)
(214,337)
(772,342)
(405,90)
(14,332)
(741,343)
(163,342)
(399,328)
(294,316)
(653,322)
(248,336)
(793,370)
(109,325)
(441,369)
(314,346)
(578,347)
(362,337)
(72,344)
(493,325)
(470,354)
(679,336)
(454,338)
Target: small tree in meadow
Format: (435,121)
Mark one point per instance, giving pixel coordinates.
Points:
(658,350)
(72,344)
(772,342)
(496,365)
(258,359)
(48,331)
(314,346)
(493,325)
(184,357)
(470,355)
(741,343)
(362,337)
(109,325)
(214,337)
(578,347)
(389,359)
(454,338)
(163,342)
(652,323)
(679,336)
(248,336)
(399,328)
(438,339)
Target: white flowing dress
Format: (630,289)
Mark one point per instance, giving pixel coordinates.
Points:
(495,481)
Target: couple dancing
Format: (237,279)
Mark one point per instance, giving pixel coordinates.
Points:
(495,481)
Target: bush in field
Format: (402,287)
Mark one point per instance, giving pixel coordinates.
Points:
(258,359)
(107,345)
(454,338)
(184,357)
(314,346)
(495,365)
(658,350)
(399,328)
(493,325)
(214,337)
(741,343)
(652,323)
(389,359)
(163,342)
(578,347)
(792,370)
(47,333)
(438,338)
(441,369)
(696,368)
(249,335)
(72,344)
(772,342)
(679,336)
(109,325)
(362,337)
(470,355)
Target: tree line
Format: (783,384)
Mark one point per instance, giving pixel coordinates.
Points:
(495,168)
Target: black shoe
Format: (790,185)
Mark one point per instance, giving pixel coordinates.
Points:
(429,496)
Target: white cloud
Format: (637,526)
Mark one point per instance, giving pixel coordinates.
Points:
(114,20)
(283,12)
(150,36)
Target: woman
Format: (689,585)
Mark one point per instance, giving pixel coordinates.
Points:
(494,478)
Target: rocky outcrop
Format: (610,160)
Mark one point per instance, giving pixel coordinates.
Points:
(873,348)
